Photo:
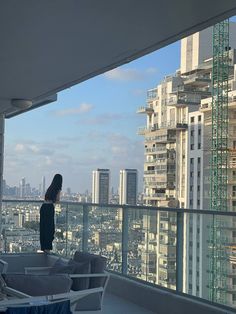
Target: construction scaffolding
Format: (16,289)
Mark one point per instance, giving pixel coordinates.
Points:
(219,162)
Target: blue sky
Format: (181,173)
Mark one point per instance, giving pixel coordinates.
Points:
(92,125)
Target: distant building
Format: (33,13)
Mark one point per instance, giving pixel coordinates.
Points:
(4,187)
(177,140)
(104,238)
(27,189)
(18,219)
(128,186)
(100,188)
(43,187)
(22,187)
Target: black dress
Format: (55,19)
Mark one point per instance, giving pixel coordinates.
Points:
(47,226)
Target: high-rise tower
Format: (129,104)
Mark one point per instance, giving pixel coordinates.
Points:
(128,186)
(100,188)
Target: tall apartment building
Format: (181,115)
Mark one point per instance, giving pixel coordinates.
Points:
(177,168)
(128,187)
(100,186)
(128,193)
(22,187)
(43,186)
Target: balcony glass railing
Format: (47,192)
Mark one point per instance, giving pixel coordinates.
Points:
(191,251)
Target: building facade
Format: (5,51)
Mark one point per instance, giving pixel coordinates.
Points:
(177,139)
(101,186)
(128,187)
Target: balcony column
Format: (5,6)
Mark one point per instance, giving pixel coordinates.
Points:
(179,251)
(85,236)
(125,239)
(2,128)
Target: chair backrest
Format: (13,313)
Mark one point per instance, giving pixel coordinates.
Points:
(97,265)
(16,263)
(38,285)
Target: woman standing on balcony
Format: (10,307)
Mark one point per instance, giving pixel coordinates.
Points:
(47,211)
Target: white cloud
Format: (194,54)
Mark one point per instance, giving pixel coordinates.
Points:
(33,148)
(83,108)
(151,70)
(103,119)
(48,160)
(120,74)
(19,147)
(138,92)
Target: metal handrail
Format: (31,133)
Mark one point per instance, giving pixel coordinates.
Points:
(138,207)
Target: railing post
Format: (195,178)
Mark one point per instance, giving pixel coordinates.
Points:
(85,229)
(2,129)
(67,230)
(125,226)
(179,251)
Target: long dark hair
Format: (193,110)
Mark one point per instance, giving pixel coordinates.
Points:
(54,188)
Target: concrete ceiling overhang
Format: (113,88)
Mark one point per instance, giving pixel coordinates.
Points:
(48,46)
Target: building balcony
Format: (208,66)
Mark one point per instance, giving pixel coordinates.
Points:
(152,94)
(76,225)
(160,196)
(182,125)
(197,80)
(147,110)
(183,98)
(153,150)
(167,268)
(144,130)
(206,104)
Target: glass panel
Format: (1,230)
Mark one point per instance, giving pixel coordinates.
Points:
(75,229)
(152,246)
(209,243)
(20,227)
(105,233)
(210,257)
(60,237)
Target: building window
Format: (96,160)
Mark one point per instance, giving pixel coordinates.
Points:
(191,202)
(198,202)
(191,161)
(234,205)
(191,174)
(199,118)
(199,131)
(199,146)
(234,190)
(234,175)
(192,147)
(198,174)
(199,160)
(192,133)
(192,120)
(198,188)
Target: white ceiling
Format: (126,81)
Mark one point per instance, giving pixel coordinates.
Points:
(47,46)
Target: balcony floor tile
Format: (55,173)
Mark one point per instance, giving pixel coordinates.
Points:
(115,305)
